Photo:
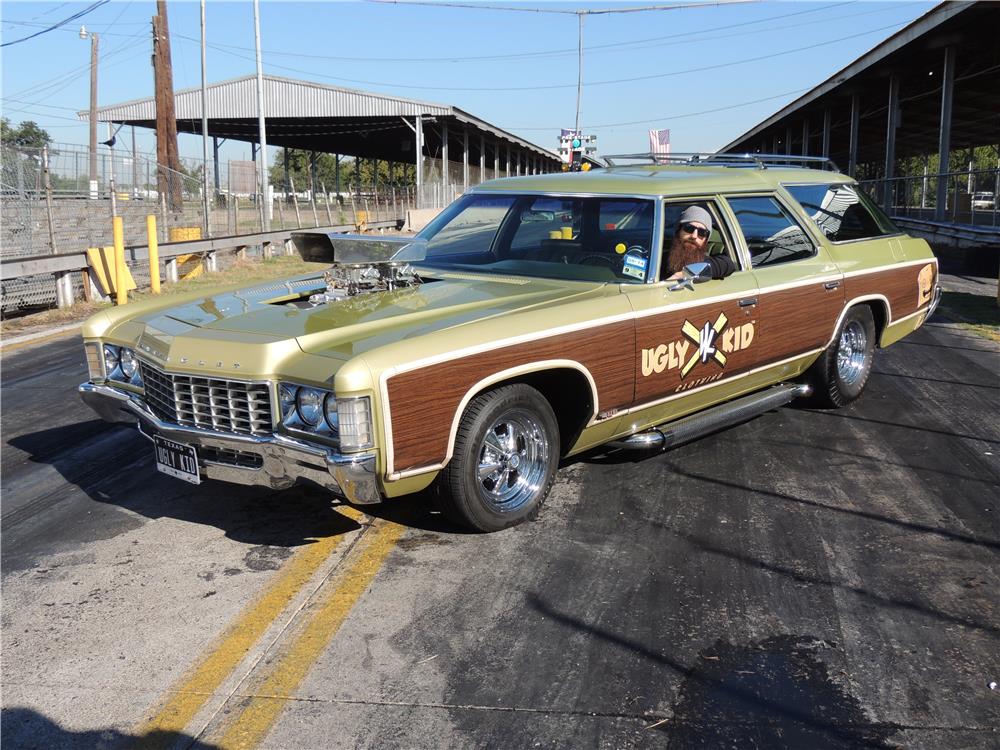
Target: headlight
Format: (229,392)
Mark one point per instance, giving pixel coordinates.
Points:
(310,405)
(330,412)
(286,395)
(111,355)
(355,421)
(317,411)
(129,363)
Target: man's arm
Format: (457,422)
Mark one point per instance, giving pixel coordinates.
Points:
(722,265)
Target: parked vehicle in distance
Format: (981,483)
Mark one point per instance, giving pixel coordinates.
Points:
(983,201)
(531,320)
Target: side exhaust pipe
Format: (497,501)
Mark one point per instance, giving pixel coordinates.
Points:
(711,420)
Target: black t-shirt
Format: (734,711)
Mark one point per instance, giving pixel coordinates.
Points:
(722,265)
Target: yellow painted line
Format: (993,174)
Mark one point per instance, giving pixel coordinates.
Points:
(39,340)
(250,726)
(187,697)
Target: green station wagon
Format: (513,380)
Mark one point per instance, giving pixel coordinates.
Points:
(534,318)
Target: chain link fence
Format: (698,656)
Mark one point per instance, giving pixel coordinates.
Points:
(68,212)
(63,210)
(971,196)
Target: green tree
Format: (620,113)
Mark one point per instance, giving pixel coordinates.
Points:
(27,134)
(353,173)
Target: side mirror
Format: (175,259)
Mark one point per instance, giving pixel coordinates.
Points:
(694,273)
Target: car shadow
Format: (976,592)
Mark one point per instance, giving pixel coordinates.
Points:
(26,728)
(116,468)
(416,511)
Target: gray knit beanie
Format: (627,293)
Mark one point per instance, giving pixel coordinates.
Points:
(696,213)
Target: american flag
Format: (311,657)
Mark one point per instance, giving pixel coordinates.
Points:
(659,141)
(566,133)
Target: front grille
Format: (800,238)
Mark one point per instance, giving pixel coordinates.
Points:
(209,403)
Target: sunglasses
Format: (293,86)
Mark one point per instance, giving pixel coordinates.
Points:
(692,229)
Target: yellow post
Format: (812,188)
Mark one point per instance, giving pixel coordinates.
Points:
(154,254)
(121,290)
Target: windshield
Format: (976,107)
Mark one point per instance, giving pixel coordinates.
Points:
(573,238)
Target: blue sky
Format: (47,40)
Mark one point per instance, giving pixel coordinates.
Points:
(517,70)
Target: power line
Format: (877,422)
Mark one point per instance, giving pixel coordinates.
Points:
(74,32)
(670,117)
(57,83)
(560,11)
(65,21)
(39,104)
(630,44)
(550,87)
(703,112)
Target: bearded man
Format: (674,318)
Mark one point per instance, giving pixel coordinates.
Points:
(690,245)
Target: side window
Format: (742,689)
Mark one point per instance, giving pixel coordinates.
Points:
(842,212)
(771,233)
(719,242)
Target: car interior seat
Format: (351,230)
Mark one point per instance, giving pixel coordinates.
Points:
(715,244)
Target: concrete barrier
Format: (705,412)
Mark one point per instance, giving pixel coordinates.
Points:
(418,218)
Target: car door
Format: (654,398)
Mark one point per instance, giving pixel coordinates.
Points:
(691,343)
(800,287)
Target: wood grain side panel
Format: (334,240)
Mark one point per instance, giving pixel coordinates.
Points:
(901,286)
(668,361)
(798,320)
(423,402)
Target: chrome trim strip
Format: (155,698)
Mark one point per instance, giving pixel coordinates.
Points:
(891,266)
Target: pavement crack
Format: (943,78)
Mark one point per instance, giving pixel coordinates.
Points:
(290,621)
(658,717)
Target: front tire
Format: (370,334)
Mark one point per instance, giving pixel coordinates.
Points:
(505,459)
(841,373)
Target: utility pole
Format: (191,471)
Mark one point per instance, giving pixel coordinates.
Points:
(262,162)
(204,128)
(168,170)
(579,77)
(93,108)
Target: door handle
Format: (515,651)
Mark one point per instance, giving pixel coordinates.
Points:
(831,285)
(748,302)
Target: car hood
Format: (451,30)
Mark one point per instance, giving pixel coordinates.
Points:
(348,327)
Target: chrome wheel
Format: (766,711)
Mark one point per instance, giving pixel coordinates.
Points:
(852,352)
(512,461)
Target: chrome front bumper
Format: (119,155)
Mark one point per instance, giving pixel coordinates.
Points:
(278,461)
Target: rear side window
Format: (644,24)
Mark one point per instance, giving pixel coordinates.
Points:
(772,235)
(842,212)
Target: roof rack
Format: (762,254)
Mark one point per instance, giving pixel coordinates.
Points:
(758,161)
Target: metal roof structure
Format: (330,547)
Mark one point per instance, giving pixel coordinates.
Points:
(318,117)
(848,116)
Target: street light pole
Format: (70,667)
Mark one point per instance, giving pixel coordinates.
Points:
(579,77)
(204,128)
(261,120)
(93,108)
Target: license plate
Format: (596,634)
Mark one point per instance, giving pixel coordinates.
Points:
(177,459)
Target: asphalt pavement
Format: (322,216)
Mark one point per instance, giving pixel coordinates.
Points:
(809,579)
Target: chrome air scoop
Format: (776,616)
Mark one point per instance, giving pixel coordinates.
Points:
(360,264)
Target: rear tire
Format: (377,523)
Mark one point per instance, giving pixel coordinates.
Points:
(841,373)
(505,459)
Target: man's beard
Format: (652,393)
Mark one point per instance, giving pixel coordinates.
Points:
(683,252)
